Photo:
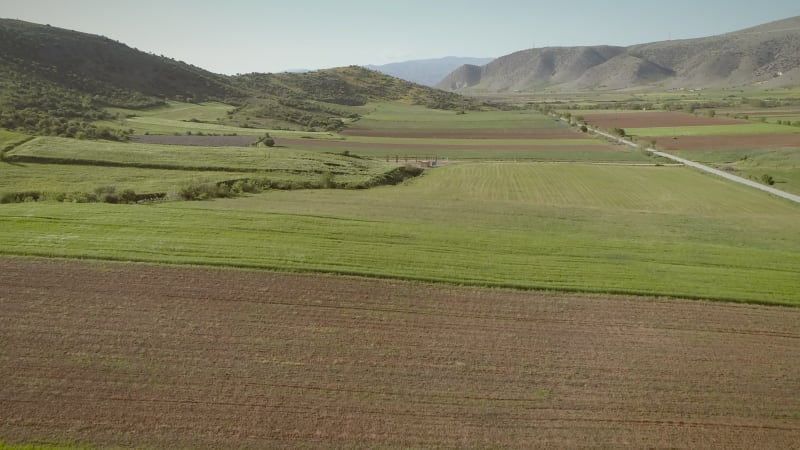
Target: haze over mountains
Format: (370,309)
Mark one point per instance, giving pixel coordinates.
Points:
(766,55)
(428,72)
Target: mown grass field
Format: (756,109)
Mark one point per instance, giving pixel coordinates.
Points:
(783,164)
(57,165)
(234,158)
(404,116)
(9,138)
(397,131)
(713,130)
(182,118)
(613,229)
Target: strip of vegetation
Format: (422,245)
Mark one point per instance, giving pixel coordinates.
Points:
(234,188)
(201,190)
(136,165)
(103,194)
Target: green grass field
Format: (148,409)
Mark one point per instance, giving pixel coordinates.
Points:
(614,229)
(531,146)
(58,165)
(205,112)
(713,130)
(403,116)
(783,164)
(8,138)
(182,118)
(198,158)
(619,154)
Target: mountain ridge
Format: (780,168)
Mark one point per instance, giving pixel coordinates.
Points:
(765,55)
(56,81)
(427,72)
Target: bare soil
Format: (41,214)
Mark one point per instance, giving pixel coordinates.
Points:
(656,119)
(137,355)
(198,141)
(754,141)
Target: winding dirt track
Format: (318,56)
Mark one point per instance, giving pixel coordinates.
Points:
(152,356)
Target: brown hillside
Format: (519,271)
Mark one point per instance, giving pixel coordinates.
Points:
(767,55)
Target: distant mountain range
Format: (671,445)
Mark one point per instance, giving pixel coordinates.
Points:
(766,55)
(428,72)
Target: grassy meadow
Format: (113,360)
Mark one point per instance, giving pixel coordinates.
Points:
(404,116)
(531,210)
(57,165)
(192,118)
(783,164)
(712,130)
(614,229)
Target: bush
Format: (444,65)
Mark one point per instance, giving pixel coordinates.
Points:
(327,181)
(767,179)
(205,191)
(20,197)
(128,196)
(107,194)
(80,197)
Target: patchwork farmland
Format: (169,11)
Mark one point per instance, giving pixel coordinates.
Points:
(533,287)
(762,151)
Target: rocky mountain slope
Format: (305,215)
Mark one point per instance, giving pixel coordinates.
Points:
(766,55)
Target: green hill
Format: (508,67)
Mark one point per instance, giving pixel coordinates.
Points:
(56,82)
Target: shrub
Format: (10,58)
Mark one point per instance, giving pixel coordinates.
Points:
(80,197)
(326,180)
(767,179)
(20,197)
(128,196)
(107,194)
(198,191)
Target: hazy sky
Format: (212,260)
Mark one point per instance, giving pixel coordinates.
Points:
(239,36)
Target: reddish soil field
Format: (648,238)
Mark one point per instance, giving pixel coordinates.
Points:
(199,141)
(150,356)
(656,119)
(348,145)
(449,133)
(753,141)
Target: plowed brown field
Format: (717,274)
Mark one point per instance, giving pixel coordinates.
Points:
(656,119)
(152,356)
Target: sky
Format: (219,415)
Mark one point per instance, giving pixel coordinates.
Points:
(242,36)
